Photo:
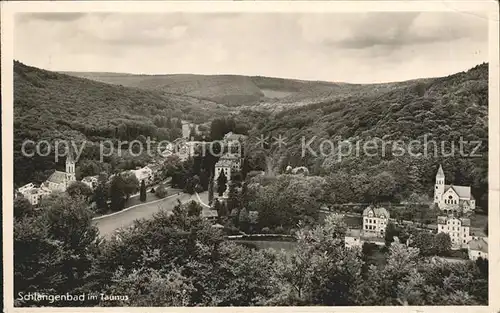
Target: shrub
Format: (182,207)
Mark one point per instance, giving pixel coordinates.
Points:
(161,192)
(279,230)
(198,188)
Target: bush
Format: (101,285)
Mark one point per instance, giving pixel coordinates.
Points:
(265,230)
(161,192)
(198,188)
(279,230)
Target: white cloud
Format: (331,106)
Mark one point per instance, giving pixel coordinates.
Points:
(348,47)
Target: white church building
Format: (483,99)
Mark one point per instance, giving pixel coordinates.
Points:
(452,197)
(59,181)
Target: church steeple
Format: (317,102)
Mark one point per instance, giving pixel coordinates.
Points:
(439,185)
(70,168)
(440,173)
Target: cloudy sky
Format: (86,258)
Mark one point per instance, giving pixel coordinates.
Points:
(349,47)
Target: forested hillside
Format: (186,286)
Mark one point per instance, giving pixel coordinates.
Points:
(227,89)
(443,110)
(256,92)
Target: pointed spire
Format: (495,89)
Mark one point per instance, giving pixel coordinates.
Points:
(440,172)
(69,158)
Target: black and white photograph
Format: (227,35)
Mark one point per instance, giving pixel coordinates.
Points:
(249,157)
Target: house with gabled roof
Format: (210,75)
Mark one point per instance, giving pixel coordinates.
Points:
(478,249)
(375,221)
(452,197)
(60,181)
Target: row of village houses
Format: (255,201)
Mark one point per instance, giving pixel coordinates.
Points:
(375,221)
(450,199)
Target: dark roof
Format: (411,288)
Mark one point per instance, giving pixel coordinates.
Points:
(377,212)
(463,192)
(57,177)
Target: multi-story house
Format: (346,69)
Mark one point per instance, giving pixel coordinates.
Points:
(375,221)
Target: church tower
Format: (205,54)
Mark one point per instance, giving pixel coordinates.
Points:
(70,169)
(439,186)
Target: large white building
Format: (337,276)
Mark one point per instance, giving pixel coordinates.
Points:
(375,221)
(60,181)
(457,228)
(34,194)
(451,197)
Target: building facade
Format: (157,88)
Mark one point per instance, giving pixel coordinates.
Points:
(91,181)
(375,221)
(35,194)
(457,228)
(451,197)
(60,181)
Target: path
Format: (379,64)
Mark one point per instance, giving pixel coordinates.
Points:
(108,224)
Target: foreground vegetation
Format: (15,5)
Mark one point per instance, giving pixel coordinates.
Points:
(180,260)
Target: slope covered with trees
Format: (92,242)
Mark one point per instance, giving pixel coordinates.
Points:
(51,106)
(427,118)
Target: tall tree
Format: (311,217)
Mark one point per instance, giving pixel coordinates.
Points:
(221,184)
(442,244)
(101,198)
(79,189)
(142,196)
(211,189)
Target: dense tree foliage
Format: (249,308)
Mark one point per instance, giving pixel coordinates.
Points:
(285,200)
(52,106)
(179,259)
(143,191)
(435,113)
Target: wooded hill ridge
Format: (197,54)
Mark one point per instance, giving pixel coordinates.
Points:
(445,109)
